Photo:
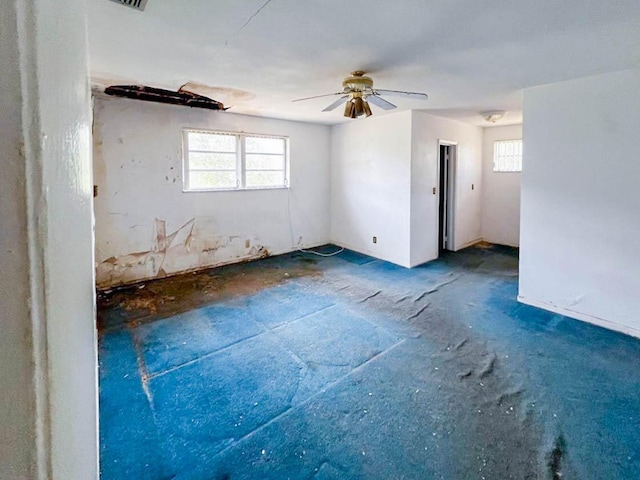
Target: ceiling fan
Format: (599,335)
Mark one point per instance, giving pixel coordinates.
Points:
(357,92)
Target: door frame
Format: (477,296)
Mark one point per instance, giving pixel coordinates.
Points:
(451,191)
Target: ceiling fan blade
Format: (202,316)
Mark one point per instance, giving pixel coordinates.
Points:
(317,96)
(380,102)
(398,93)
(336,104)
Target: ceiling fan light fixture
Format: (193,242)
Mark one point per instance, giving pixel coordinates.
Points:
(359,104)
(348,109)
(495,116)
(367,108)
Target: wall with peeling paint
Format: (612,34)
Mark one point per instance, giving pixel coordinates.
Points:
(580,200)
(147,227)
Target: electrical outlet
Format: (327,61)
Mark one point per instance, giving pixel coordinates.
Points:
(375,239)
(247,243)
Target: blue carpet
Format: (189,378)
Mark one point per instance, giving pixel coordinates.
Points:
(284,303)
(129,441)
(185,337)
(359,369)
(205,407)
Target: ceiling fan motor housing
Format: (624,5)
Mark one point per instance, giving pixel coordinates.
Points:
(357,82)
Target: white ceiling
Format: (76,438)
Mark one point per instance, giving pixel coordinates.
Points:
(470,56)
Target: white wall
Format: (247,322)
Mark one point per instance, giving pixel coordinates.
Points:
(17,409)
(500,191)
(48,412)
(580,220)
(370,186)
(138,165)
(382,174)
(427,130)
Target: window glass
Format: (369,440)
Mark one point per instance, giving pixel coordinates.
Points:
(265,162)
(262,178)
(265,145)
(206,180)
(224,161)
(212,161)
(212,142)
(507,156)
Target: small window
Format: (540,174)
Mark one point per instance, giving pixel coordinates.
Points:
(234,161)
(507,156)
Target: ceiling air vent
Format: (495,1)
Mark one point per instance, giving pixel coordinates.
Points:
(137,4)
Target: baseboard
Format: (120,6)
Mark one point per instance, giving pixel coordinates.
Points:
(494,242)
(346,246)
(468,244)
(366,251)
(583,317)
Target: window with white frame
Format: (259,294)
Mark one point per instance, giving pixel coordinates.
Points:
(234,161)
(507,156)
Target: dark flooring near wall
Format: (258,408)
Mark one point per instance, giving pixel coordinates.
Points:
(347,367)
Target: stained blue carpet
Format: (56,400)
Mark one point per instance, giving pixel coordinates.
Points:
(359,369)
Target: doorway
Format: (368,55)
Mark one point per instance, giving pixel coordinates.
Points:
(446,173)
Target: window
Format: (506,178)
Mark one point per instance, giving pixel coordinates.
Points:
(507,156)
(234,161)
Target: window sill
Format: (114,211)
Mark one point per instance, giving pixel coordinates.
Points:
(252,189)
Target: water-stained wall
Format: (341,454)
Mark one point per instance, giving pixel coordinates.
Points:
(147,227)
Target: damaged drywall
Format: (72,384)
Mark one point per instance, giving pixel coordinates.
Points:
(160,95)
(148,226)
(192,246)
(228,96)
